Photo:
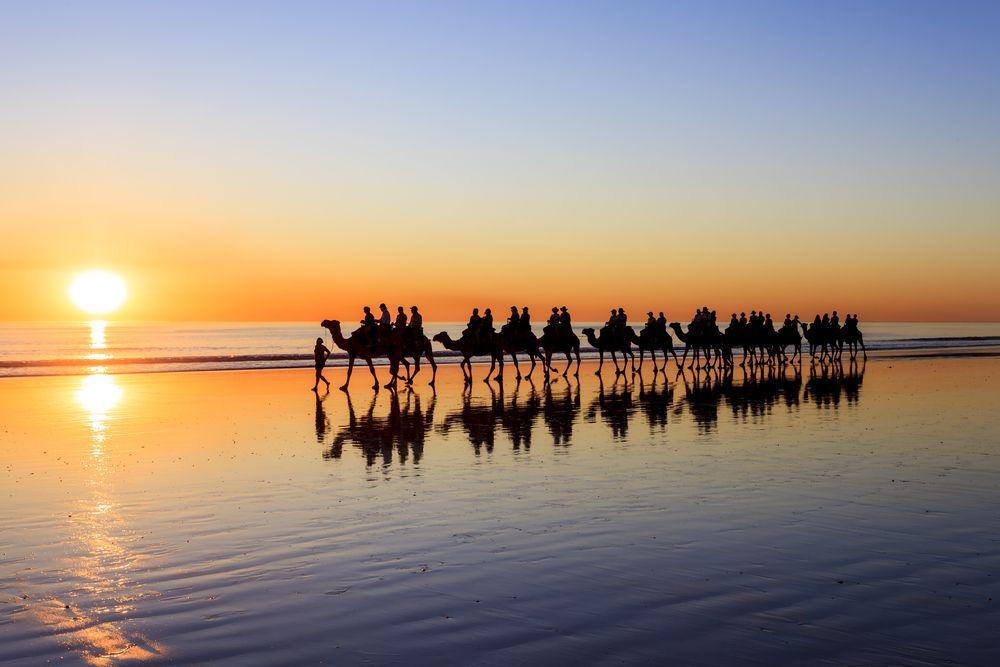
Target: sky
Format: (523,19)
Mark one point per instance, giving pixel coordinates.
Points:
(297,160)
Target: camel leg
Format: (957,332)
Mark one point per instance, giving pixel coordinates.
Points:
(601,364)
(416,369)
(614,358)
(517,368)
(350,369)
(434,369)
(862,341)
(371,367)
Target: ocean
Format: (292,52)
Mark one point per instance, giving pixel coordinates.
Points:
(70,348)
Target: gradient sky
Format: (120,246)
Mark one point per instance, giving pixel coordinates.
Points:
(293,161)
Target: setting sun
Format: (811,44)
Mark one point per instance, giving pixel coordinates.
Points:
(98,292)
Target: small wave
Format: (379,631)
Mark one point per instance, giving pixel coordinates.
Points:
(149,364)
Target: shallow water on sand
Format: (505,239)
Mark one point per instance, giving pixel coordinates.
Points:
(843,517)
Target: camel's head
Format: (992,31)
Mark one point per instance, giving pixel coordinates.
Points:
(675,325)
(589,331)
(329,324)
(441,337)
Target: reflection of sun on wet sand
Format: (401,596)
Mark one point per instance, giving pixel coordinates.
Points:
(98,557)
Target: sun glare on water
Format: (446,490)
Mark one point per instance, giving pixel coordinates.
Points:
(98,292)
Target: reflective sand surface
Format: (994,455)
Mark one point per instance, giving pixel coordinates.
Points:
(849,516)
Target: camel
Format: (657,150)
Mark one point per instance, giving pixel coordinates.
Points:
(357,347)
(512,342)
(651,340)
(612,344)
(418,347)
(469,347)
(706,343)
(851,337)
(564,343)
(784,337)
(816,337)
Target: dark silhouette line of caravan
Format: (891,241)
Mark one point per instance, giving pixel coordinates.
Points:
(755,336)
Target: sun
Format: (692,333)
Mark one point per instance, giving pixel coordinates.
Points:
(98,292)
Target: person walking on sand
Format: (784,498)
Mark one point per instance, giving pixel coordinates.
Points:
(320,354)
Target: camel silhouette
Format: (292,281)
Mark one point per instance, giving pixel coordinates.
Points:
(560,342)
(512,342)
(650,341)
(359,347)
(608,342)
(470,346)
(708,343)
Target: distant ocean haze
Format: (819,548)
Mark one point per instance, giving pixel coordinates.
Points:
(68,348)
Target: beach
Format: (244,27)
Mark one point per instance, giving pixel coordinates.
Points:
(835,516)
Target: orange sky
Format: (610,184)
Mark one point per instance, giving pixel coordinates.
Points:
(284,170)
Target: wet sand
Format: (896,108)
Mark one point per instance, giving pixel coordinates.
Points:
(842,517)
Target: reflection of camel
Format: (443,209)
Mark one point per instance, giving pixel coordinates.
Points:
(760,391)
(405,427)
(615,407)
(704,395)
(656,401)
(828,382)
(708,392)
(481,422)
(469,346)
(650,341)
(608,342)
(478,421)
(358,347)
(560,412)
(560,342)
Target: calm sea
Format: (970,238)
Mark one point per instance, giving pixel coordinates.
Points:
(80,347)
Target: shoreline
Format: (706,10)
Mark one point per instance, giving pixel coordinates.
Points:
(448,358)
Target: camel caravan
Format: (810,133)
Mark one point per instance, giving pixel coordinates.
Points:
(402,338)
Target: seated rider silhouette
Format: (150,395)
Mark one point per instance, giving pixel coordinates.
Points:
(368,327)
(661,324)
(486,326)
(416,325)
(525,320)
(472,329)
(565,324)
(384,322)
(400,324)
(552,325)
